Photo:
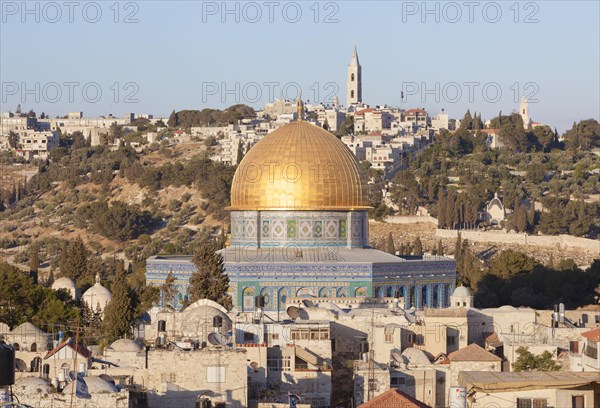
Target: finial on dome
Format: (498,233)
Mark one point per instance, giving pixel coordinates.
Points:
(97,278)
(300,109)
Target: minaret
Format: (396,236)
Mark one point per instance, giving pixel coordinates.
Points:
(336,103)
(300,109)
(524,112)
(354,95)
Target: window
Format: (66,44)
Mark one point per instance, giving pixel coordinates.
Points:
(411,338)
(168,377)
(577,401)
(532,402)
(397,380)
(451,341)
(590,350)
(389,338)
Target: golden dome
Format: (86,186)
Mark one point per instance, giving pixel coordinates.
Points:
(299,167)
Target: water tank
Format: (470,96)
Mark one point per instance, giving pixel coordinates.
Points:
(203,403)
(162,326)
(217,321)
(7,365)
(259,301)
(457,397)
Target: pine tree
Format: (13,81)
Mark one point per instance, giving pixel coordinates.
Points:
(118,314)
(210,280)
(440,250)
(173,119)
(73,259)
(389,246)
(418,247)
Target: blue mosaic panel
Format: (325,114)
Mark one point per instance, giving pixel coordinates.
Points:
(291,229)
(318,229)
(331,229)
(266,229)
(342,232)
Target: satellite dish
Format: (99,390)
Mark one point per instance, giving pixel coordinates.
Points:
(308,303)
(293,312)
(397,356)
(216,339)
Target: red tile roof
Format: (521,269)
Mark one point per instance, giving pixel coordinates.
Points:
(592,334)
(363,111)
(81,349)
(393,398)
(472,352)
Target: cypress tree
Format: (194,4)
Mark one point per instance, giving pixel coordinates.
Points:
(440,250)
(389,246)
(73,259)
(210,280)
(34,257)
(118,315)
(168,290)
(240,154)
(418,247)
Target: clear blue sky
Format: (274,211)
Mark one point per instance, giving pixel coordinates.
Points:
(177,51)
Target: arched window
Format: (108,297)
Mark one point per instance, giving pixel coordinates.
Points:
(425,296)
(33,347)
(16,346)
(248,299)
(435,301)
(412,298)
(389,292)
(351,77)
(352,94)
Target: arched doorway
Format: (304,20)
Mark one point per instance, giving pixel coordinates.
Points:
(425,296)
(435,296)
(248,299)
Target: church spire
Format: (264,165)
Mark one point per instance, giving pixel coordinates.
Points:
(354,61)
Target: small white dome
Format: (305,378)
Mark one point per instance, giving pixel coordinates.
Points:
(97,385)
(30,386)
(198,321)
(461,291)
(65,283)
(97,295)
(126,345)
(415,356)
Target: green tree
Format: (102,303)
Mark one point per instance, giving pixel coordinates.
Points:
(240,152)
(34,257)
(509,263)
(390,248)
(527,361)
(418,247)
(209,281)
(173,120)
(440,248)
(13,139)
(74,259)
(168,290)
(118,314)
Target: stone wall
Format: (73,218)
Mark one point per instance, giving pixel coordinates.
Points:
(552,241)
(410,219)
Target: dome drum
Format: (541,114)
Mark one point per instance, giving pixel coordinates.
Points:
(299,228)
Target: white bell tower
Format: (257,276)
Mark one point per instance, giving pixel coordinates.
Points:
(524,112)
(354,86)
